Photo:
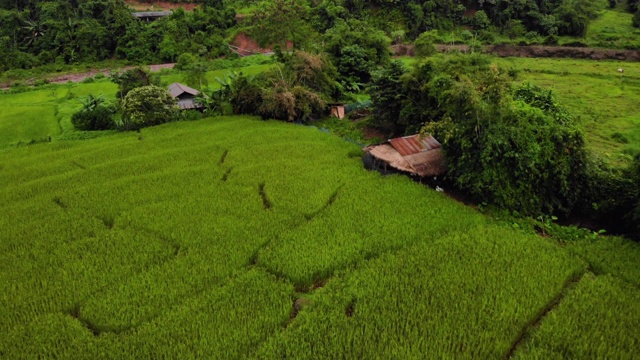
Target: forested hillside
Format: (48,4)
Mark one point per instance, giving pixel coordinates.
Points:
(66,32)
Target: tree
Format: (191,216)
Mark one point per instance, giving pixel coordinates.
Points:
(387,96)
(424,44)
(132,79)
(146,106)
(277,22)
(196,75)
(514,148)
(481,20)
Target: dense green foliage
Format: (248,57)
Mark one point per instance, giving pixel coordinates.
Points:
(146,106)
(298,89)
(213,237)
(98,117)
(42,32)
(515,148)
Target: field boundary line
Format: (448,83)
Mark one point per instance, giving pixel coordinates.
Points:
(569,284)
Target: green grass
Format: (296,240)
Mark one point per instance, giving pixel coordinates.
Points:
(605,101)
(613,29)
(179,76)
(238,238)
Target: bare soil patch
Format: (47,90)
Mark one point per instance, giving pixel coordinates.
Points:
(159,5)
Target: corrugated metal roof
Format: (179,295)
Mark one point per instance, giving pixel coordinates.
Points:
(413,144)
(420,156)
(177,89)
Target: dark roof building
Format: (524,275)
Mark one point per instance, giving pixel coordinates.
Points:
(151,15)
(421,156)
(184,95)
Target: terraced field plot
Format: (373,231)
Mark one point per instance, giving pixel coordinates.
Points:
(236,238)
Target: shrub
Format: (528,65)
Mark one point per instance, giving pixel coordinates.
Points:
(98,118)
(295,104)
(514,29)
(245,96)
(424,44)
(146,106)
(575,44)
(551,40)
(466,35)
(185,61)
(354,64)
(531,35)
(636,19)
(612,195)
(481,20)
(486,37)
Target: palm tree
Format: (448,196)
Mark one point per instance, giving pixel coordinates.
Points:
(91,102)
(35,29)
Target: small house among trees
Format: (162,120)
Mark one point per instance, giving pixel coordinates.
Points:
(151,15)
(420,156)
(185,96)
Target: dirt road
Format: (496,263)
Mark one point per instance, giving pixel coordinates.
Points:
(535,51)
(77,77)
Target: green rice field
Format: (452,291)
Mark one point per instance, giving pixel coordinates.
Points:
(41,114)
(235,238)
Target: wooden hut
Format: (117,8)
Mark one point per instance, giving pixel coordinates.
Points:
(185,96)
(419,156)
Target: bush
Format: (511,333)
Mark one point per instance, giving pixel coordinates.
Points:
(514,29)
(99,118)
(146,106)
(487,37)
(575,44)
(354,65)
(185,61)
(612,195)
(531,35)
(295,104)
(245,96)
(424,44)
(481,20)
(551,40)
(636,19)
(466,35)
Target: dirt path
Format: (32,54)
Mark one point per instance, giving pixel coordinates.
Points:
(535,51)
(77,77)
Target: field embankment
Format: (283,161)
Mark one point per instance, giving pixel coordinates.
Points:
(268,240)
(534,51)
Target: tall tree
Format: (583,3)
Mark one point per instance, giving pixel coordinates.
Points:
(277,22)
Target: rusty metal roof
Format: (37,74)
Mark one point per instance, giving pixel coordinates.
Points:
(420,156)
(413,144)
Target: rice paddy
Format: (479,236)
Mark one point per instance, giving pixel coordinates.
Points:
(237,238)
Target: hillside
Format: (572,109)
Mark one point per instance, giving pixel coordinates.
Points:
(236,238)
